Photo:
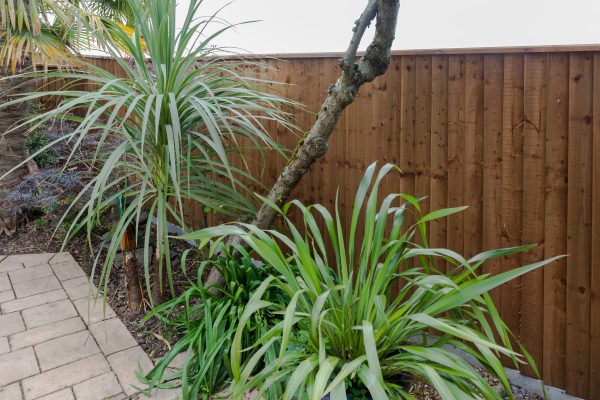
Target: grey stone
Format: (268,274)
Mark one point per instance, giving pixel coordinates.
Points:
(78,288)
(17,365)
(4,282)
(32,301)
(126,363)
(30,273)
(4,347)
(36,286)
(94,310)
(10,324)
(29,260)
(67,270)
(43,333)
(7,295)
(48,313)
(65,349)
(11,392)
(10,264)
(61,257)
(112,336)
(163,394)
(64,377)
(100,387)
(65,394)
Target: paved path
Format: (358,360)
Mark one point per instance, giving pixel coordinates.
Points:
(54,343)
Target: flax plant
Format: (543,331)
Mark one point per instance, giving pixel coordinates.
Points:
(365,300)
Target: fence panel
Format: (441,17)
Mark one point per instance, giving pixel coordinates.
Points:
(512,133)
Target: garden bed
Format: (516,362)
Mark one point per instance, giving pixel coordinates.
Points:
(153,337)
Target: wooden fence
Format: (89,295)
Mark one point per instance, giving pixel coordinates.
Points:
(512,133)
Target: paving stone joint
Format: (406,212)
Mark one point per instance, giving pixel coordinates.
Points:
(57,342)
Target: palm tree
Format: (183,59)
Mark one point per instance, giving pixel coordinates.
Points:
(40,32)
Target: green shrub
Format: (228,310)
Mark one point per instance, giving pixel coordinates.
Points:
(40,223)
(207,321)
(38,139)
(361,315)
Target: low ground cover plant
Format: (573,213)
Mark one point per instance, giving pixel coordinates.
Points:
(207,319)
(364,302)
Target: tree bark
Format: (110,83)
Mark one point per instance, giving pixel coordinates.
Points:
(354,73)
(132,282)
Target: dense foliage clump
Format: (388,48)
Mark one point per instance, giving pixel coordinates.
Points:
(365,300)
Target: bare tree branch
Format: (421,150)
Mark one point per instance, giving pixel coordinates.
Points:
(341,94)
(354,74)
(359,29)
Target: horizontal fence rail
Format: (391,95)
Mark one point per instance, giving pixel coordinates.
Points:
(512,133)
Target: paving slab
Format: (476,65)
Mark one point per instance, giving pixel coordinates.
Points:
(67,270)
(162,394)
(30,273)
(11,392)
(65,394)
(17,365)
(4,282)
(29,260)
(112,336)
(11,323)
(100,387)
(61,258)
(65,349)
(41,334)
(93,310)
(78,288)
(4,346)
(6,295)
(48,313)
(10,264)
(36,286)
(32,301)
(64,377)
(125,364)
(57,343)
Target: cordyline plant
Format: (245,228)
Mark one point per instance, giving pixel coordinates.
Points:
(179,113)
(364,302)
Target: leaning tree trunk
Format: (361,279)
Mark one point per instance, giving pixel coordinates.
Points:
(354,73)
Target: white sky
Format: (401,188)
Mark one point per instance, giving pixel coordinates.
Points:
(292,26)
